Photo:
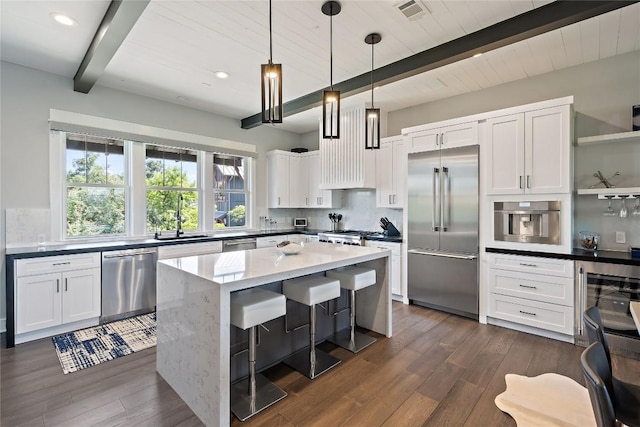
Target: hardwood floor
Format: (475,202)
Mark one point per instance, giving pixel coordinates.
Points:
(437,370)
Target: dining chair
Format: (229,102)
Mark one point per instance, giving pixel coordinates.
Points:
(599,384)
(625,396)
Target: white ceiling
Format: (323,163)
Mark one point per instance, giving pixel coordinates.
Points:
(175,47)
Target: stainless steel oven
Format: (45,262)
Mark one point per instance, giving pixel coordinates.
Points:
(610,287)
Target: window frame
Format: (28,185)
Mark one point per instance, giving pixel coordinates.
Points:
(246,161)
(135,190)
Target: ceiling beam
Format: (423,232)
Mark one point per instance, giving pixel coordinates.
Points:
(529,24)
(119,19)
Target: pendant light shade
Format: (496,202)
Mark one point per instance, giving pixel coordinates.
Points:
(271,85)
(331,98)
(372,115)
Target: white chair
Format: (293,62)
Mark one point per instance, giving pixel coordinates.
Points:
(250,308)
(311,290)
(353,279)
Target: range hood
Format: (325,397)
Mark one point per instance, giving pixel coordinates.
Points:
(344,162)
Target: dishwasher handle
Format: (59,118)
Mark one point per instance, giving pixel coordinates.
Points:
(127,255)
(239,242)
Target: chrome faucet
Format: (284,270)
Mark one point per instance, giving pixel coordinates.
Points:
(179,217)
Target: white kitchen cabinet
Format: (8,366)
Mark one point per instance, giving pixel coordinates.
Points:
(294,181)
(532,291)
(530,152)
(278,177)
(391,173)
(344,162)
(55,291)
(433,137)
(395,268)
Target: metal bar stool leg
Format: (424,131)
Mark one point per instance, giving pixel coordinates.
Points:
(349,338)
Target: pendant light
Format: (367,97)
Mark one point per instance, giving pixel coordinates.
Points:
(372,115)
(271,85)
(331,98)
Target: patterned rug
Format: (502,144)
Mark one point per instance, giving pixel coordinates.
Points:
(89,347)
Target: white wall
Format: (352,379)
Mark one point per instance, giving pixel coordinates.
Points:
(603,91)
(28,94)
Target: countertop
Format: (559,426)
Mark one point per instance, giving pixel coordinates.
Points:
(611,257)
(76,248)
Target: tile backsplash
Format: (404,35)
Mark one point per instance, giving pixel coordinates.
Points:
(589,216)
(27,226)
(359,212)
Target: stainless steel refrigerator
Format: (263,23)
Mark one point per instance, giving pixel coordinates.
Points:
(443,230)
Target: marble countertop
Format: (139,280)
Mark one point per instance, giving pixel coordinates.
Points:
(243,269)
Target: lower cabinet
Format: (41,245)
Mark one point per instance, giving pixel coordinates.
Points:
(532,291)
(58,297)
(395,269)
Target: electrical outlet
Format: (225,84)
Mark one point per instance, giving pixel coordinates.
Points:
(621,237)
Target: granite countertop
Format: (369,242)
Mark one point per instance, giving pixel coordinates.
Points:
(611,257)
(75,248)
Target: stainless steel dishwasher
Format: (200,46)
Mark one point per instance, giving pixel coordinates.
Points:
(238,245)
(128,283)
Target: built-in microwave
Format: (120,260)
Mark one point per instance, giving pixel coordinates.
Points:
(610,287)
(300,222)
(527,222)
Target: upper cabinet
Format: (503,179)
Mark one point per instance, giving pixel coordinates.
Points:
(344,162)
(391,173)
(278,176)
(423,138)
(294,181)
(530,152)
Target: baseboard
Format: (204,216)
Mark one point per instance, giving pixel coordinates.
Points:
(3,325)
(531,330)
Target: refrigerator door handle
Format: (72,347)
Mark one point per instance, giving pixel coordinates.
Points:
(435,207)
(446,207)
(442,254)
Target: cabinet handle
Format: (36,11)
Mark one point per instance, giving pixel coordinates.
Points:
(394,199)
(437,139)
(58,285)
(441,139)
(62,263)
(527,265)
(66,288)
(390,199)
(581,306)
(526,312)
(319,200)
(306,201)
(520,182)
(278,201)
(528,287)
(528,181)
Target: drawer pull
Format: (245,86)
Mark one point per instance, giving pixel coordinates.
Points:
(57,285)
(526,312)
(528,287)
(66,288)
(62,263)
(527,265)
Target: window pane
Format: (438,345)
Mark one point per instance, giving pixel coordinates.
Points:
(189,173)
(92,211)
(115,164)
(162,206)
(75,166)
(228,173)
(230,209)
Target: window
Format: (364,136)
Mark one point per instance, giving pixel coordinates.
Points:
(94,186)
(230,191)
(171,180)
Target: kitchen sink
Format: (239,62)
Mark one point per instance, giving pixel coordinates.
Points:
(182,237)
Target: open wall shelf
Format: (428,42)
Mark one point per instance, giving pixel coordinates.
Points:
(616,192)
(613,137)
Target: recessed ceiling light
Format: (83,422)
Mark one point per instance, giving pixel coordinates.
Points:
(221,74)
(477,54)
(63,19)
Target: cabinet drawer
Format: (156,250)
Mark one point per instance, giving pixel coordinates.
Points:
(552,317)
(529,264)
(54,264)
(394,247)
(538,287)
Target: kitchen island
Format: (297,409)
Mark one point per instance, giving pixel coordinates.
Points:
(193,312)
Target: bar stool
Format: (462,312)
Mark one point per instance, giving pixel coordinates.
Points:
(250,308)
(311,290)
(353,279)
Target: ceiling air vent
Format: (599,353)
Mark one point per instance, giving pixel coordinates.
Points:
(412,9)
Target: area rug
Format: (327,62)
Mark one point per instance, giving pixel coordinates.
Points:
(89,347)
(546,400)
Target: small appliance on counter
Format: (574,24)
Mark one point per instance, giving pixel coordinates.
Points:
(527,222)
(300,222)
(390,230)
